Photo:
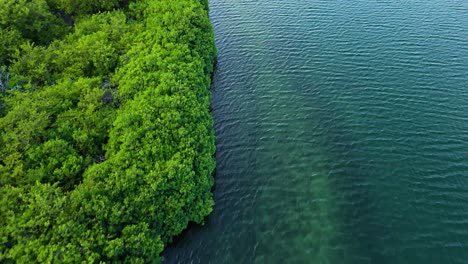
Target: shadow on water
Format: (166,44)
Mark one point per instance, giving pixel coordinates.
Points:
(236,127)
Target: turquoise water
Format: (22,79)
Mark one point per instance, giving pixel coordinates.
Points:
(342,134)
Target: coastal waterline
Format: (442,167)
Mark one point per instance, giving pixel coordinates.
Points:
(342,134)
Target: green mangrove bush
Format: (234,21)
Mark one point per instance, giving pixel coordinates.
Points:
(106,139)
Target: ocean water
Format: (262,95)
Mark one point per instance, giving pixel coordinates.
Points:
(342,134)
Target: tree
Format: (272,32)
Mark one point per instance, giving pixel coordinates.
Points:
(106,143)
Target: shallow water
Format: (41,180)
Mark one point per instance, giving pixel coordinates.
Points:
(342,134)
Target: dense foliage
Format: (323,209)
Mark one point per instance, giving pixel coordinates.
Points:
(106,140)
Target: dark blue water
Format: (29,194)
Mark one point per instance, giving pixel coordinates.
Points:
(342,134)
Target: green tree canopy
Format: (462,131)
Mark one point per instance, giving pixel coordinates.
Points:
(106,139)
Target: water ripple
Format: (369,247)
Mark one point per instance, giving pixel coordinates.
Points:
(342,134)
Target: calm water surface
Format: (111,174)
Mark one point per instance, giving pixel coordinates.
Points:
(342,134)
